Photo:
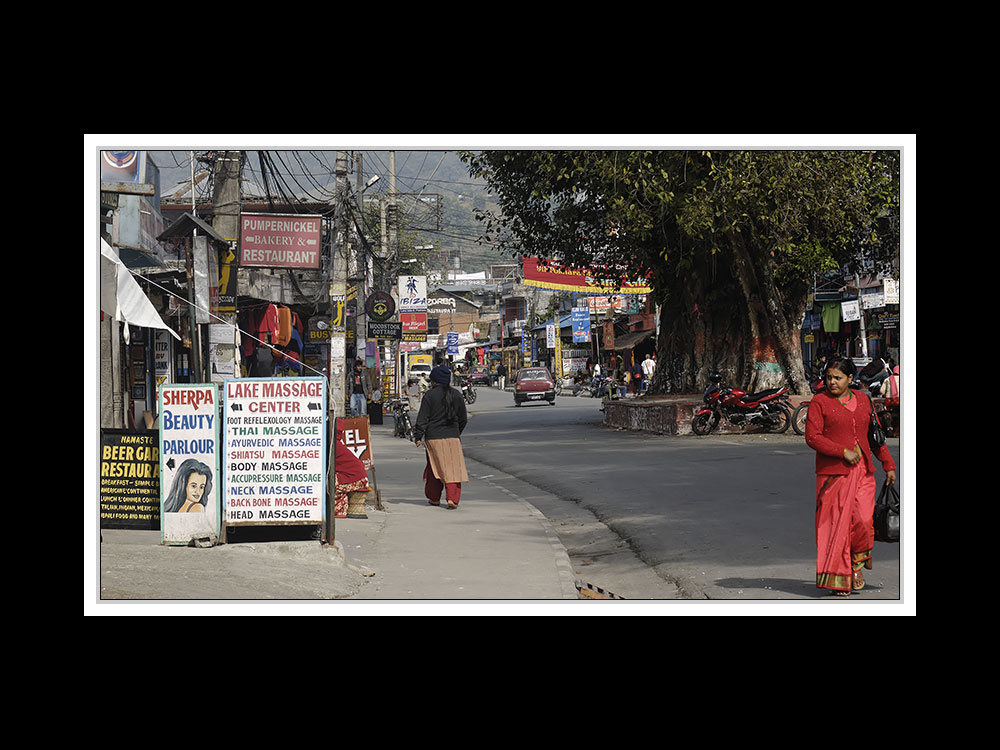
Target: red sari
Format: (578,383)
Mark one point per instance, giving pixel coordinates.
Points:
(845,535)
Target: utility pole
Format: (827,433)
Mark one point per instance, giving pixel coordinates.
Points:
(393,252)
(338,288)
(226,222)
(361,264)
(338,337)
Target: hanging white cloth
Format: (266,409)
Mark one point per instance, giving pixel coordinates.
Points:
(123,298)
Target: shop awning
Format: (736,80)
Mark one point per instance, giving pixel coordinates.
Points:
(629,340)
(123,298)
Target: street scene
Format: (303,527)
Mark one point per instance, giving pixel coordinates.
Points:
(416,382)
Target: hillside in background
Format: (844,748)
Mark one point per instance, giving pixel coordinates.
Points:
(421,177)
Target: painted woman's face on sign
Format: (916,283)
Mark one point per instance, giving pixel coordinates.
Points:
(195,487)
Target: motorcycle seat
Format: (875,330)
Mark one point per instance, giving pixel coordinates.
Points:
(751,397)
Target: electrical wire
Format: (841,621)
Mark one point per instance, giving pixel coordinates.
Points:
(221,320)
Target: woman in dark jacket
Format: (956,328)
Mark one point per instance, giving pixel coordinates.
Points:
(440,423)
(837,429)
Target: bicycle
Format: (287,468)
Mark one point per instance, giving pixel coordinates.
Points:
(402,427)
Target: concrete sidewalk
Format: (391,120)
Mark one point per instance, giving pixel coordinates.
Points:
(494,546)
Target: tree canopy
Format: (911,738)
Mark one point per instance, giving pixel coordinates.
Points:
(731,239)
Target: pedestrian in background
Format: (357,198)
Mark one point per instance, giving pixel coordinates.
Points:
(648,368)
(890,387)
(440,423)
(636,379)
(837,429)
(360,391)
(501,376)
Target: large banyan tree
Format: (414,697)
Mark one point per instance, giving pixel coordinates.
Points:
(731,240)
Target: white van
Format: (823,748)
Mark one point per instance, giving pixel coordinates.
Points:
(420,370)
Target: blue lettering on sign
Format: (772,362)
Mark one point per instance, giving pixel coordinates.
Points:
(187,421)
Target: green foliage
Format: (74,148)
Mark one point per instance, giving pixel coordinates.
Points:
(675,213)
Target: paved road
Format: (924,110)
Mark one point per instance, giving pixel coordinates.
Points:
(721,517)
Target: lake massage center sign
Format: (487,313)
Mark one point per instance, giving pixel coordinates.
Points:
(275,451)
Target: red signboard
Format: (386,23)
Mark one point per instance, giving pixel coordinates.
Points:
(413,322)
(554,276)
(280,240)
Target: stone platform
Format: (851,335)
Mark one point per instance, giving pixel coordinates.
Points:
(671,415)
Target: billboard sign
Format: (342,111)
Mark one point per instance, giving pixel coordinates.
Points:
(581,325)
(130,480)
(189,462)
(275,451)
(412,294)
(548,275)
(280,240)
(414,322)
(390,330)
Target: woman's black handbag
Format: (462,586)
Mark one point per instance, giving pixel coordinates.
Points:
(876,435)
(886,517)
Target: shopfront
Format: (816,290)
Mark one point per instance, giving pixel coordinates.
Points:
(860,320)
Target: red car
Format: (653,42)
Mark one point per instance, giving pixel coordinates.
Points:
(479,375)
(534,384)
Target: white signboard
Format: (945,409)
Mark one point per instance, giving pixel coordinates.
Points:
(871,300)
(275,451)
(890,291)
(412,293)
(550,337)
(189,463)
(850,311)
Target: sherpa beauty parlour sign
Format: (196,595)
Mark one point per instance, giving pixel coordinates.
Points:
(275,451)
(189,462)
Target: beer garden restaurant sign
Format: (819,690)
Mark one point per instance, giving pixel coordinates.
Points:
(275,451)
(130,480)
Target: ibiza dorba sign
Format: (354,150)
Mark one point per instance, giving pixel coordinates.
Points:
(280,240)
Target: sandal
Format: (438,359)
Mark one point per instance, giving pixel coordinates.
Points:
(858,581)
(431,502)
(840,593)
(451,505)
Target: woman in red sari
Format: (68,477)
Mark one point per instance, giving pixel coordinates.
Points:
(837,429)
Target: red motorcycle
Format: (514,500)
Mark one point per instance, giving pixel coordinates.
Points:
(768,409)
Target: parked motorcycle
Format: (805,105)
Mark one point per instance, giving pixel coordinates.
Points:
(802,410)
(767,409)
(607,386)
(400,409)
(468,391)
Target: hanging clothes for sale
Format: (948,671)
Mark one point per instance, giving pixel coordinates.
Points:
(267,326)
(831,317)
(247,321)
(284,326)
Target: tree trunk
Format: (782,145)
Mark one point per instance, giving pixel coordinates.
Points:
(701,331)
(775,352)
